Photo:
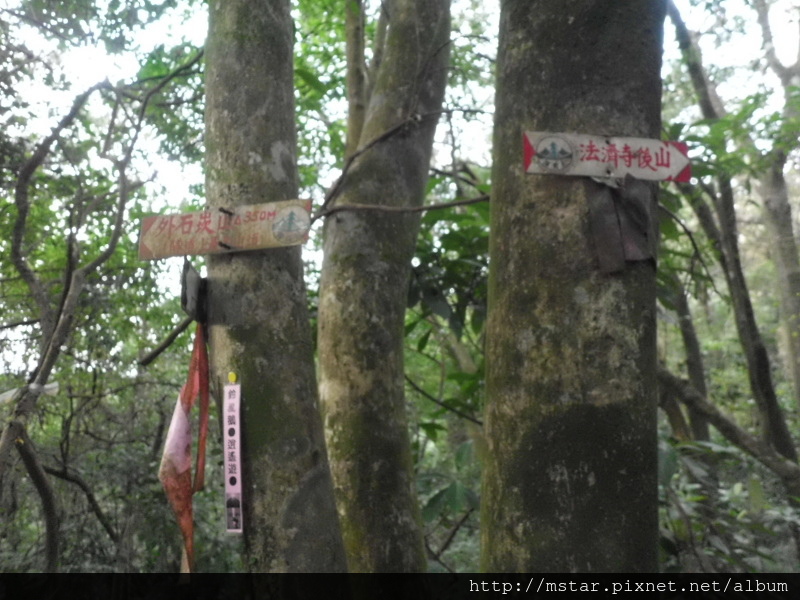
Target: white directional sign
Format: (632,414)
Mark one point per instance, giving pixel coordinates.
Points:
(602,156)
(251,227)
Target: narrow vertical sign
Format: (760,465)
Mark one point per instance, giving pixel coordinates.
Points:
(233,471)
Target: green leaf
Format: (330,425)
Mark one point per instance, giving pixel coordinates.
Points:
(311,80)
(412,325)
(432,429)
(667,463)
(433,299)
(756,496)
(435,506)
(465,455)
(423,341)
(460,497)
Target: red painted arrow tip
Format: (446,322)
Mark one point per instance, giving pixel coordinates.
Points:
(681,146)
(528,150)
(686,173)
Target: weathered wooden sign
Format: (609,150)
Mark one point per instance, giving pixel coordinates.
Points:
(252,227)
(602,156)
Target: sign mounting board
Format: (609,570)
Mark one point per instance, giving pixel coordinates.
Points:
(253,227)
(603,156)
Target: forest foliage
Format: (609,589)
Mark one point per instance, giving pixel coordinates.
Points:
(80,311)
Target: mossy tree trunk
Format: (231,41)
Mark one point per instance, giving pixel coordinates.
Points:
(259,322)
(363,291)
(570,476)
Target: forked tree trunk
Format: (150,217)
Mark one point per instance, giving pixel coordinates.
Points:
(363,294)
(259,322)
(570,476)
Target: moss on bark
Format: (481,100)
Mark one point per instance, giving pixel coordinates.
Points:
(570,476)
(363,293)
(259,325)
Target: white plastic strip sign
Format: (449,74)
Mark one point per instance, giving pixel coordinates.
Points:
(232,448)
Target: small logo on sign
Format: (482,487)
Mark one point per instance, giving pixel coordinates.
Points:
(233,512)
(291,225)
(553,154)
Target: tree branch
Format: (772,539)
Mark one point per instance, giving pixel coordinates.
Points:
(48,498)
(690,235)
(471,181)
(398,209)
(710,104)
(125,186)
(786,470)
(335,189)
(356,73)
(56,327)
(90,497)
(378,48)
(444,405)
(453,531)
(171,337)
(19,323)
(22,201)
(762,12)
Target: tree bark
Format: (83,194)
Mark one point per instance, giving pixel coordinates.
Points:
(259,322)
(363,291)
(356,74)
(570,478)
(780,226)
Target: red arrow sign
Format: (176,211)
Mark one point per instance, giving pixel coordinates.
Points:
(251,227)
(601,156)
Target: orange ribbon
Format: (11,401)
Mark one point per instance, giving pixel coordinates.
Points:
(175,471)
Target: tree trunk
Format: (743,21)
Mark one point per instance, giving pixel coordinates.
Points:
(773,422)
(774,193)
(363,294)
(356,74)
(259,322)
(778,218)
(759,370)
(694,359)
(570,478)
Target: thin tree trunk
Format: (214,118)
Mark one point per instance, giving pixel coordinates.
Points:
(774,193)
(759,370)
(570,478)
(363,293)
(694,359)
(726,237)
(259,322)
(779,221)
(356,74)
